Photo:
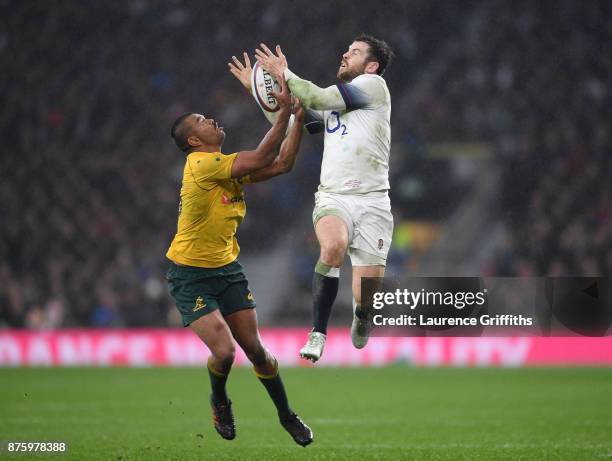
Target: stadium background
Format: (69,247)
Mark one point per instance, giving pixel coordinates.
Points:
(500,166)
(500,161)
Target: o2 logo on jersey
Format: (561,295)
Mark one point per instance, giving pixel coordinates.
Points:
(338,124)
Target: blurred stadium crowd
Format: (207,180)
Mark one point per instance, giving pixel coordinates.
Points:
(89,177)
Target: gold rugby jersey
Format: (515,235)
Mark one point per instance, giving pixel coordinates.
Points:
(211,209)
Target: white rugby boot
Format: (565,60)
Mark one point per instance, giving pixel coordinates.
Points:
(313,349)
(360,329)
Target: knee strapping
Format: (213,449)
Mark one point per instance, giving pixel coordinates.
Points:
(274,373)
(214,371)
(326,270)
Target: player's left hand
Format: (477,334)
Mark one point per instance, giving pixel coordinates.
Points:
(283,97)
(242,71)
(273,63)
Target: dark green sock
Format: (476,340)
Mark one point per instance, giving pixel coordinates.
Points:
(276,390)
(325,284)
(217,383)
(359,313)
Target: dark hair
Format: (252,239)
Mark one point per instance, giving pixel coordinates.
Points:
(379,51)
(179,133)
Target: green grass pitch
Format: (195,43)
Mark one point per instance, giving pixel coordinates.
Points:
(357,414)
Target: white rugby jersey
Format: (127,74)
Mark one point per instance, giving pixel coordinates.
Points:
(358,139)
(356,120)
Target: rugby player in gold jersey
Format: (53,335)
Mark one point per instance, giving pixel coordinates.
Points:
(205,278)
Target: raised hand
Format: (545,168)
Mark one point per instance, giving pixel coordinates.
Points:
(298,110)
(242,71)
(273,63)
(284,96)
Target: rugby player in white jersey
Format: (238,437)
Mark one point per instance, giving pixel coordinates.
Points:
(352,208)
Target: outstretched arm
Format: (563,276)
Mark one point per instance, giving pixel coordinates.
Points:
(344,96)
(248,161)
(314,96)
(288,151)
(313,119)
(243,72)
(310,94)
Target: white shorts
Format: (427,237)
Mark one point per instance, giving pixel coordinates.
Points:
(369,221)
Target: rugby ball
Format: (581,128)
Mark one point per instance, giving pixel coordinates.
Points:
(262,84)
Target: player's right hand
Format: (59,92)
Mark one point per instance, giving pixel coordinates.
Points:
(242,71)
(298,110)
(276,64)
(284,96)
